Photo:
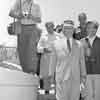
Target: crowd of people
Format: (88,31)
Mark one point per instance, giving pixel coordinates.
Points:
(68,56)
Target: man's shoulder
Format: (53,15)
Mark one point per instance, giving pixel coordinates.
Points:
(79,43)
(97,40)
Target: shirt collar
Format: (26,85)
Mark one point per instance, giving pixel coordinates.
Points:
(91,40)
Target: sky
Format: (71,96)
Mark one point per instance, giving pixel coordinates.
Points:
(52,10)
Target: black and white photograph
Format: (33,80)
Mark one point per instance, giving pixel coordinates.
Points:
(49,50)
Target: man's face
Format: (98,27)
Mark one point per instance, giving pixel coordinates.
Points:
(50,29)
(68,31)
(91,30)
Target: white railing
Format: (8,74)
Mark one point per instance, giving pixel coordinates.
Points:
(8,53)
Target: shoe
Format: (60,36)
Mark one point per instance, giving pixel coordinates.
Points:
(52,85)
(52,91)
(41,91)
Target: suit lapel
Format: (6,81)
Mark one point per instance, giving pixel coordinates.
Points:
(94,42)
(94,46)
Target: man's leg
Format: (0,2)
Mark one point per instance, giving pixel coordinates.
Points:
(90,87)
(97,87)
(75,90)
(63,90)
(21,50)
(38,63)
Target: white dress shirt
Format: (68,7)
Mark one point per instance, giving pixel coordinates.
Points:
(61,43)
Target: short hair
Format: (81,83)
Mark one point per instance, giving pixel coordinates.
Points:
(95,23)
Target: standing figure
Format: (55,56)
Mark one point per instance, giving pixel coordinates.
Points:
(80,32)
(70,67)
(45,46)
(92,58)
(30,16)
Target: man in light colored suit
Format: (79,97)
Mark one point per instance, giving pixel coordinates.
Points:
(70,69)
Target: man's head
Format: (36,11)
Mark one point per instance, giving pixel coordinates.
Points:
(50,27)
(68,28)
(91,28)
(82,18)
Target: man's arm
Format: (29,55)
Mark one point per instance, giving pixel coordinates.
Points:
(36,13)
(15,11)
(41,44)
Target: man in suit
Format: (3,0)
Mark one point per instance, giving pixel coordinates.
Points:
(92,57)
(70,68)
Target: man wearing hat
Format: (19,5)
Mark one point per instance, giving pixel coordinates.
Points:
(70,67)
(92,58)
(80,31)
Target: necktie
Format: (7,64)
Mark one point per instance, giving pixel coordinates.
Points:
(88,42)
(68,45)
(88,51)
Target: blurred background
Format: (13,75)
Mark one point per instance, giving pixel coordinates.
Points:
(52,10)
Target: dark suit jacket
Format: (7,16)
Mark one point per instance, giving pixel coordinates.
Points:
(93,62)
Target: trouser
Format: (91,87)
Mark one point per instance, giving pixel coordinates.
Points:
(27,49)
(93,87)
(38,64)
(68,90)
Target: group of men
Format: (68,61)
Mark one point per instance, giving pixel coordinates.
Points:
(68,55)
(84,55)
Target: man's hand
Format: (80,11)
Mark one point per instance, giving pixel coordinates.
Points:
(82,86)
